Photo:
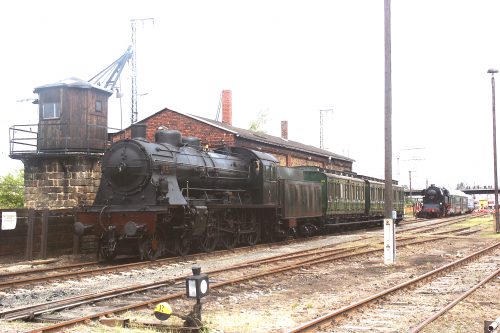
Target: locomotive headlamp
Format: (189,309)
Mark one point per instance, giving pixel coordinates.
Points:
(197,284)
(131,228)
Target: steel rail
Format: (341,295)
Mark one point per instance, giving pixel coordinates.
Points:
(438,314)
(308,326)
(111,268)
(427,227)
(25,280)
(10,275)
(314,261)
(38,309)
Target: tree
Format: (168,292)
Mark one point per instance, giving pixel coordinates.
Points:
(257,124)
(12,190)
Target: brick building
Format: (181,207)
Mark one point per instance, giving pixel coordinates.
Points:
(215,134)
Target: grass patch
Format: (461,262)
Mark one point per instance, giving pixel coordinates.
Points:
(475,221)
(485,223)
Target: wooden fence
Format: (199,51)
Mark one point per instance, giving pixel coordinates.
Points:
(38,233)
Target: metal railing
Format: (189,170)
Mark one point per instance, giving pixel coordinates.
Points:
(26,139)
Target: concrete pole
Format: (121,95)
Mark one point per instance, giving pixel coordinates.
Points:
(497,219)
(388,112)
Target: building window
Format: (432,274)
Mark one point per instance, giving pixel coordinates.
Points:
(51,110)
(98,106)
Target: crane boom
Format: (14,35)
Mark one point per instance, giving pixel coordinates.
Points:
(108,77)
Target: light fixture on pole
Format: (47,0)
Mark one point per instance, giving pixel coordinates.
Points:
(497,219)
(197,286)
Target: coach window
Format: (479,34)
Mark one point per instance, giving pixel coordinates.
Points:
(331,192)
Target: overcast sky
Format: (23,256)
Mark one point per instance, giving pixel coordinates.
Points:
(287,59)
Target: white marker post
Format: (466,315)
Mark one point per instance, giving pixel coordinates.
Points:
(390,240)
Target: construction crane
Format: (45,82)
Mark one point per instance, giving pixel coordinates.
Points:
(133,22)
(108,77)
(321,123)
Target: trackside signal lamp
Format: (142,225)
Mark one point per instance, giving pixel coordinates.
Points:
(197,285)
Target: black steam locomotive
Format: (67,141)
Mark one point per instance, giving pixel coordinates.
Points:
(440,202)
(172,195)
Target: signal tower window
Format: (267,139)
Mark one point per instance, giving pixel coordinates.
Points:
(51,110)
(98,106)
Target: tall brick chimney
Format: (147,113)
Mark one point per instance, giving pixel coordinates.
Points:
(227,107)
(284,129)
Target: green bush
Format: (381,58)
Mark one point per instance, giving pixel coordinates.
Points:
(12,190)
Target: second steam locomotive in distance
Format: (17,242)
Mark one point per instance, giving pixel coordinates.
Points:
(440,202)
(172,196)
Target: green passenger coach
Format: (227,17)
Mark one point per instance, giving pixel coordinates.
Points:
(348,198)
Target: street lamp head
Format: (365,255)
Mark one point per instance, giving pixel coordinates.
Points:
(492,71)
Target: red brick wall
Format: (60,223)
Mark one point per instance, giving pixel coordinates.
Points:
(227,107)
(215,137)
(210,135)
(284,129)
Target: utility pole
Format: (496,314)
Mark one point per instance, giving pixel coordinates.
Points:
(411,199)
(321,123)
(497,218)
(388,111)
(389,226)
(133,107)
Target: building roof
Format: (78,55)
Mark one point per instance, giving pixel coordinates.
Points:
(72,82)
(260,137)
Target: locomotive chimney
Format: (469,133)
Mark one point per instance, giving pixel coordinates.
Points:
(227,107)
(138,131)
(284,129)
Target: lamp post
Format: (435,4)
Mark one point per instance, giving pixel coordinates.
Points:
(411,197)
(497,219)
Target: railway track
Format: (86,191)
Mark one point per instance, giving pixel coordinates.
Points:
(413,304)
(302,257)
(317,255)
(24,277)
(78,270)
(247,271)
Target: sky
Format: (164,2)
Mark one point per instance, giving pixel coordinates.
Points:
(285,59)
